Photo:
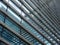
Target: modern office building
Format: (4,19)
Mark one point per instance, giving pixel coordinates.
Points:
(28,22)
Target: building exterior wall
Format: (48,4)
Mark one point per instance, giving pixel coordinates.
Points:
(28,22)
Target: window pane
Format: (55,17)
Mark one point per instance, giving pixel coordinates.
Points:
(13,39)
(1,17)
(12,25)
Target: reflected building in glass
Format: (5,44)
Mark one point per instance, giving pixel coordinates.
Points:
(28,22)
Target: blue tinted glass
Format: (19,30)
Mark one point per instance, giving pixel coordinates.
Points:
(12,25)
(11,38)
(28,37)
(1,17)
(26,25)
(0,28)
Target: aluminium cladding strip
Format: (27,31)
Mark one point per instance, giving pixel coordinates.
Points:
(49,9)
(46,18)
(46,5)
(18,35)
(28,14)
(52,21)
(52,16)
(38,5)
(25,11)
(4,10)
(55,31)
(4,41)
(9,4)
(52,30)
(30,9)
(55,15)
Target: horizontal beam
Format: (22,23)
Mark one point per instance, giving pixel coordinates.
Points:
(4,41)
(15,33)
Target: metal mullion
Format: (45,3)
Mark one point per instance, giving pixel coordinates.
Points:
(4,41)
(19,36)
(47,6)
(53,13)
(31,25)
(19,14)
(56,26)
(26,12)
(36,29)
(56,30)
(27,31)
(29,9)
(23,9)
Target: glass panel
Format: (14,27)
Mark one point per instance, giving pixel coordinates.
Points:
(12,25)
(11,38)
(1,17)
(34,32)
(29,37)
(18,29)
(0,28)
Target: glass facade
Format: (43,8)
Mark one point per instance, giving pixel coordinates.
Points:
(11,37)
(29,19)
(18,29)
